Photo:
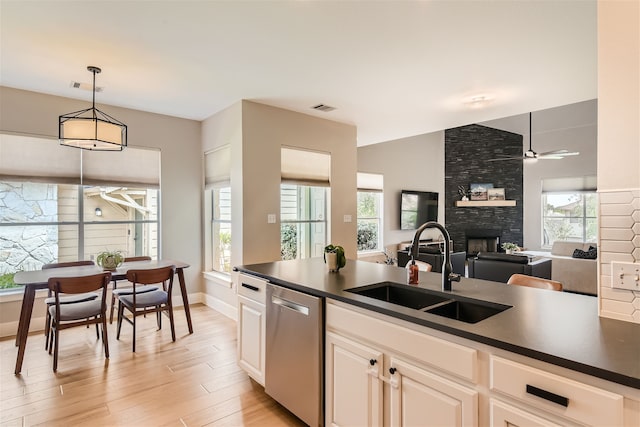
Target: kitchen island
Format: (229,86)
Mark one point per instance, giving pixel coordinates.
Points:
(544,333)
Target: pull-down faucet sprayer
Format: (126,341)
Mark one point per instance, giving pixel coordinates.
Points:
(447,271)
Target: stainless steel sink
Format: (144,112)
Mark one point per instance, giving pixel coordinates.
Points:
(442,304)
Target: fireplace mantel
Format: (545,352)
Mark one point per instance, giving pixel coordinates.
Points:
(482,203)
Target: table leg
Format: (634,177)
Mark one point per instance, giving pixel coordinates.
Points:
(23,325)
(185,299)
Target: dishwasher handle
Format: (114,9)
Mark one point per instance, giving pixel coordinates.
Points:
(294,306)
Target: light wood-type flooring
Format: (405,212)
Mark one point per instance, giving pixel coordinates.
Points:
(192,382)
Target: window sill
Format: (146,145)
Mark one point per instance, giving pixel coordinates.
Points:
(16,294)
(221,279)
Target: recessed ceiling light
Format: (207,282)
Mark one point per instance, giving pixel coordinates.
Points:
(478,101)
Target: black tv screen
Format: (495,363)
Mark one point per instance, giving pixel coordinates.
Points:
(416,208)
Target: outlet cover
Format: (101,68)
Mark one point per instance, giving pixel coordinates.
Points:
(271,218)
(625,275)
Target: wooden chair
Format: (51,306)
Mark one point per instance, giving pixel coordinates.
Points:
(127,291)
(68,299)
(422,266)
(64,316)
(148,302)
(534,282)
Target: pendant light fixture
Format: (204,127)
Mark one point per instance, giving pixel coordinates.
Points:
(92,129)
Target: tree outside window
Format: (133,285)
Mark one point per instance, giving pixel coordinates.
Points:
(369,221)
(570,216)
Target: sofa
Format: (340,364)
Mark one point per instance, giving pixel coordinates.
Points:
(578,275)
(499,267)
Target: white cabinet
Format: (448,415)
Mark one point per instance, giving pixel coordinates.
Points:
(556,395)
(505,415)
(354,390)
(422,398)
(371,369)
(251,325)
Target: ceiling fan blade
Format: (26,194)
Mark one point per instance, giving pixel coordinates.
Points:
(558,154)
(505,158)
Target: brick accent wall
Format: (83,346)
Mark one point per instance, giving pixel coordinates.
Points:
(467,151)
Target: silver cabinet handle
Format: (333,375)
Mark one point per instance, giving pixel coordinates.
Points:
(290,305)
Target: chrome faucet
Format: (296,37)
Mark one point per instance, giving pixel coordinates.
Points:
(447,271)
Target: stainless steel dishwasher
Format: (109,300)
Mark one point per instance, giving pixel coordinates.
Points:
(294,352)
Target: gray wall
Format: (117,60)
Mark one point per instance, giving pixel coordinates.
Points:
(415,163)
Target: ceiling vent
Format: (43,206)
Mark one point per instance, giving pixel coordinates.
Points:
(323,107)
(85,86)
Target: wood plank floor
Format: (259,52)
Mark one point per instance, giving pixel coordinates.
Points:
(192,382)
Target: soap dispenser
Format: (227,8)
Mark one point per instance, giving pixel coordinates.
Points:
(412,273)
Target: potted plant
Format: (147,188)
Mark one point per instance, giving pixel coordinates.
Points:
(334,257)
(510,247)
(110,260)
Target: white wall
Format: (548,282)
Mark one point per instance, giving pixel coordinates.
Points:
(618,152)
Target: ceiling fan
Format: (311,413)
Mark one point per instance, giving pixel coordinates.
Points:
(532,155)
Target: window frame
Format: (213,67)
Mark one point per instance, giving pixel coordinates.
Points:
(584,218)
(304,222)
(379,218)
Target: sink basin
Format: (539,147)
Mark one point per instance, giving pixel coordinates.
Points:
(442,304)
(403,295)
(467,311)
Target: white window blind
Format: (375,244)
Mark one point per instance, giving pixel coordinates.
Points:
(578,183)
(303,167)
(38,159)
(132,166)
(217,167)
(370,182)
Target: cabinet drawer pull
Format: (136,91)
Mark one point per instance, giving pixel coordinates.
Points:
(547,395)
(372,362)
(392,371)
(253,288)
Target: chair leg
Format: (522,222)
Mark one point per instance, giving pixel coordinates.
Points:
(47,330)
(105,340)
(51,336)
(134,332)
(55,350)
(97,330)
(120,314)
(113,303)
(173,328)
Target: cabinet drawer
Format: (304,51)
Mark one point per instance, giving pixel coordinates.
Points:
(443,355)
(252,287)
(556,394)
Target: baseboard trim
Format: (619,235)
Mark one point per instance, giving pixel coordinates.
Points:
(220,306)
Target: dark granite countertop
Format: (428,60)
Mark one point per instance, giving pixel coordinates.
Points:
(560,328)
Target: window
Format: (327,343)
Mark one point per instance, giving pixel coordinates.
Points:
(369,212)
(303,231)
(569,210)
(59,214)
(569,216)
(369,221)
(221,229)
(303,202)
(217,168)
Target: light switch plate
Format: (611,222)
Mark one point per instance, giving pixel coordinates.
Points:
(347,218)
(625,275)
(271,218)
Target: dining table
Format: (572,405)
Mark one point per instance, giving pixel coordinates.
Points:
(38,279)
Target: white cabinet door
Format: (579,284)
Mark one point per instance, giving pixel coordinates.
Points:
(353,390)
(251,337)
(504,415)
(421,398)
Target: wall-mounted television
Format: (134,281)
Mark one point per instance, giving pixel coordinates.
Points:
(416,208)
